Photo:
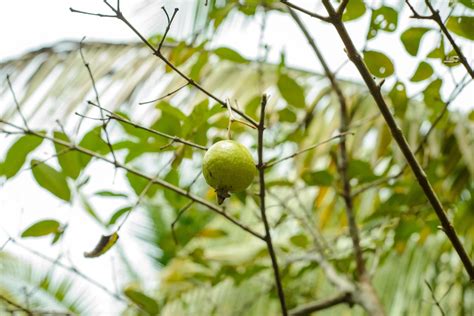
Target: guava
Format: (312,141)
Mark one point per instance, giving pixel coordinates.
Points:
(228,167)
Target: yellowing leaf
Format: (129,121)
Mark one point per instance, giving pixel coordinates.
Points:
(105,243)
(212,233)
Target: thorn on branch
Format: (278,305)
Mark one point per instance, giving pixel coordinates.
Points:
(381,84)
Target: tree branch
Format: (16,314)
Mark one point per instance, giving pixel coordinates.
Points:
(268,237)
(323,304)
(312,14)
(342,165)
(397,134)
(159,182)
(175,139)
(437,18)
(16,102)
(119,15)
(302,151)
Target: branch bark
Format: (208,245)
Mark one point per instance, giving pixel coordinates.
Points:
(322,304)
(397,134)
(157,52)
(160,182)
(268,236)
(369,299)
(437,18)
(342,165)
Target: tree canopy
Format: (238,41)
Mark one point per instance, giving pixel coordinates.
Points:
(364,198)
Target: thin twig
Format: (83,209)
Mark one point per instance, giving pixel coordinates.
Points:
(312,14)
(176,139)
(17,104)
(170,21)
(272,163)
(70,269)
(399,137)
(40,162)
(142,195)
(166,95)
(97,98)
(165,184)
(119,15)
(457,90)
(342,8)
(268,237)
(94,14)
(435,16)
(434,298)
(322,304)
(343,155)
(178,216)
(306,223)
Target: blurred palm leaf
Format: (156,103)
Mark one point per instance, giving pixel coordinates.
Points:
(43,289)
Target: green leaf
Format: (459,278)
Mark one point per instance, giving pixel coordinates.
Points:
(354,10)
(198,66)
(300,240)
(172,110)
(111,194)
(42,228)
(423,72)
(287,115)
(378,63)
(16,155)
(361,170)
(70,161)
(432,95)
(398,96)
(226,53)
(411,39)
(51,180)
(468,3)
(142,300)
(319,178)
(105,243)
(196,119)
(438,52)
(385,19)
(462,26)
(93,141)
(113,219)
(138,184)
(291,91)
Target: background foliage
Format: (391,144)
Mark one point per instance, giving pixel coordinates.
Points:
(208,266)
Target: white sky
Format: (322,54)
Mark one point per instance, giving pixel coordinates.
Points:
(28,24)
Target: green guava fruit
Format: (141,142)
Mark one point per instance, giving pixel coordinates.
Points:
(228,167)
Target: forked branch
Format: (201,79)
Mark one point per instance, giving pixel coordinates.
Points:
(435,16)
(399,137)
(157,52)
